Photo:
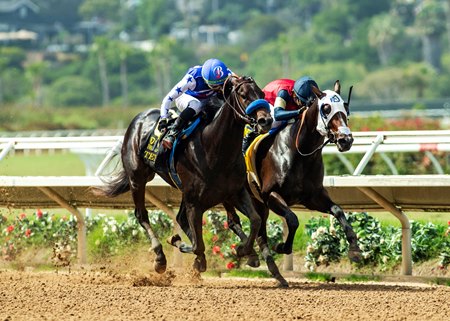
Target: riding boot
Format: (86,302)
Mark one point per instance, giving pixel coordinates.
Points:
(185,116)
(248,139)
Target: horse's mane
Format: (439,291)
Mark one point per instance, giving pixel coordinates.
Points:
(211,107)
(312,118)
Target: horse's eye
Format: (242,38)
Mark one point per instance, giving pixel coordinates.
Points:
(326,109)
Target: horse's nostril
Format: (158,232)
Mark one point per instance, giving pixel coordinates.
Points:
(265,121)
(345,141)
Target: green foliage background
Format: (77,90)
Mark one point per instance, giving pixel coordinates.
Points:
(391,51)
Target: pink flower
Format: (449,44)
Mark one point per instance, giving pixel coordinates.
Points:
(215,238)
(203,222)
(10,228)
(27,232)
(216,249)
(230,265)
(39,214)
(448,223)
(225,225)
(22,216)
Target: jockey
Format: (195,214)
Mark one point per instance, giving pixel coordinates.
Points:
(199,84)
(286,98)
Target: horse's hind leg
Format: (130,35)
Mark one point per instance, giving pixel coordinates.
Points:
(141,213)
(278,205)
(245,205)
(234,224)
(265,251)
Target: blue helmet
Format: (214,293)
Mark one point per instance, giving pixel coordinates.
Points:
(214,72)
(303,88)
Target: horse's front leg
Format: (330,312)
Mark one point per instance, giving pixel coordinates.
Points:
(322,202)
(245,205)
(278,205)
(234,224)
(141,213)
(175,240)
(194,218)
(354,252)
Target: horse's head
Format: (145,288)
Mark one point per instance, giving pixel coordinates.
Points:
(332,120)
(249,100)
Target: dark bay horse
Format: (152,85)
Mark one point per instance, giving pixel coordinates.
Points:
(291,171)
(209,164)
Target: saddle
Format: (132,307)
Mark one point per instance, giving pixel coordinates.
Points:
(163,160)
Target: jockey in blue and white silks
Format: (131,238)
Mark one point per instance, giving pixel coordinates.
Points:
(198,84)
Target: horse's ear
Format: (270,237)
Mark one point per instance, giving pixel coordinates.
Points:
(337,87)
(317,92)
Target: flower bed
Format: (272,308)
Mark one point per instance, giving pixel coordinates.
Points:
(108,235)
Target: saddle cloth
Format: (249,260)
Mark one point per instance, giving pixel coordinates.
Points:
(164,160)
(250,163)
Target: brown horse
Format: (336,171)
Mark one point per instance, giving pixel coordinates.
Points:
(209,164)
(291,171)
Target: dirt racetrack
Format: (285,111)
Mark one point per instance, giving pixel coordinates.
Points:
(101,295)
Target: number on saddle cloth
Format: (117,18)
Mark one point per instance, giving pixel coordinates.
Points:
(152,146)
(161,159)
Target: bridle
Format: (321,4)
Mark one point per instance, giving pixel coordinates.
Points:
(240,111)
(332,136)
(297,144)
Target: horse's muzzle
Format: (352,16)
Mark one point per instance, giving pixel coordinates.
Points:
(344,142)
(264,124)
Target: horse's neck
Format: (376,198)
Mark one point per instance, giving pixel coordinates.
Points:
(223,136)
(308,139)
(310,132)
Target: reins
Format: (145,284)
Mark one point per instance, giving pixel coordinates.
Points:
(298,136)
(241,112)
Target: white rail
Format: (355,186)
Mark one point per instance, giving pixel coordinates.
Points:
(391,193)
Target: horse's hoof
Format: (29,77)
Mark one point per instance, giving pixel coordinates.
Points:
(159,267)
(184,248)
(200,264)
(174,239)
(355,256)
(253,261)
(282,283)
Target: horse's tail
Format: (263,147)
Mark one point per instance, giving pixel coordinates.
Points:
(114,186)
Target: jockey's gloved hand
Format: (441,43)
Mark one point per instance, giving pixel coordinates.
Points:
(163,124)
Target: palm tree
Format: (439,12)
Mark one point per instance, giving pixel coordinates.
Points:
(431,25)
(35,72)
(383,31)
(124,52)
(99,47)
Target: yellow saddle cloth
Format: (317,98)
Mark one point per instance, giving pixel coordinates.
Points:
(250,162)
